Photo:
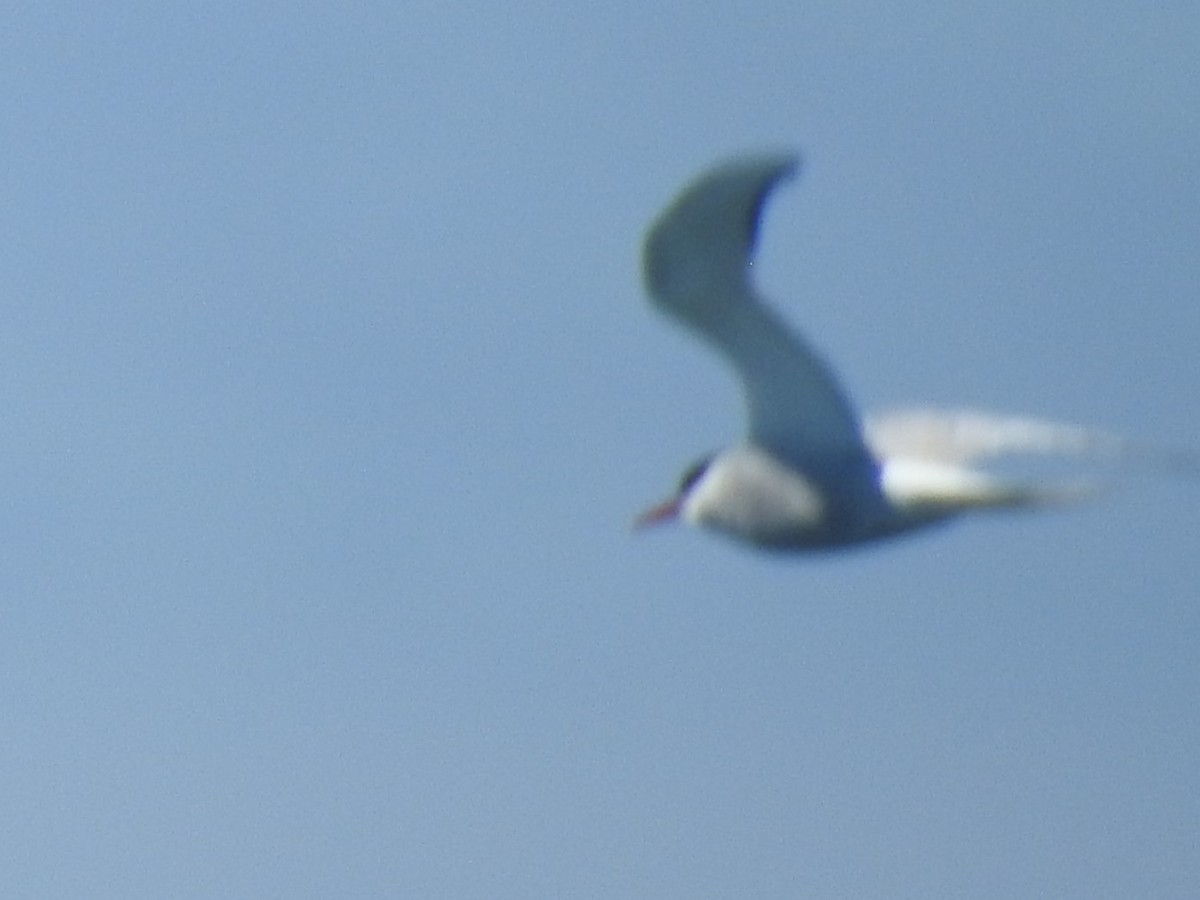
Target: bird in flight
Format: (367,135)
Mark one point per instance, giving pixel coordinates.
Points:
(810,473)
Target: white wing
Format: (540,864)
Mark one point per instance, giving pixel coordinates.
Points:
(696,264)
(926,457)
(934,435)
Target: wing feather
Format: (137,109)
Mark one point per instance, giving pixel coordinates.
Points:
(962,436)
(696,261)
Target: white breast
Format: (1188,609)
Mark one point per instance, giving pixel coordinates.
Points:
(746,493)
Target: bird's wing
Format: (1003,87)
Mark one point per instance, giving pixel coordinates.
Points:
(962,436)
(696,263)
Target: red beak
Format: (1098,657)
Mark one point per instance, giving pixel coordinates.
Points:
(656,515)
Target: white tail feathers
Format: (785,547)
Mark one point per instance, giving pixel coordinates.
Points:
(939,489)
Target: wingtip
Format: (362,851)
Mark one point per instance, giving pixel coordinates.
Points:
(704,238)
(763,170)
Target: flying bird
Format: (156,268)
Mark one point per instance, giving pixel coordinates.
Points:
(810,473)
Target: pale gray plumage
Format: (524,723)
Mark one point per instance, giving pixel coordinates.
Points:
(696,267)
(810,473)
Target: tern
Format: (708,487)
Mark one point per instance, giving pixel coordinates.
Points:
(811,474)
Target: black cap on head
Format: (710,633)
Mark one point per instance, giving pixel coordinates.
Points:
(693,473)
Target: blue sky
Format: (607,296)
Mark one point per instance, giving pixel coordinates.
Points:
(330,392)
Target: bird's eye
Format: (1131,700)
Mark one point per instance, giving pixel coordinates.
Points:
(693,474)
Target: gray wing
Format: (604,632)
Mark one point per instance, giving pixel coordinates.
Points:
(696,264)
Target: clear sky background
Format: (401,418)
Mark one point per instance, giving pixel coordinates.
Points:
(330,390)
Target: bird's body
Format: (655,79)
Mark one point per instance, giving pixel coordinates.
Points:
(811,473)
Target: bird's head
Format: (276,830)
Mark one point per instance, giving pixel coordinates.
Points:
(671,508)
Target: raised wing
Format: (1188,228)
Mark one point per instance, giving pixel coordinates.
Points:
(696,264)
